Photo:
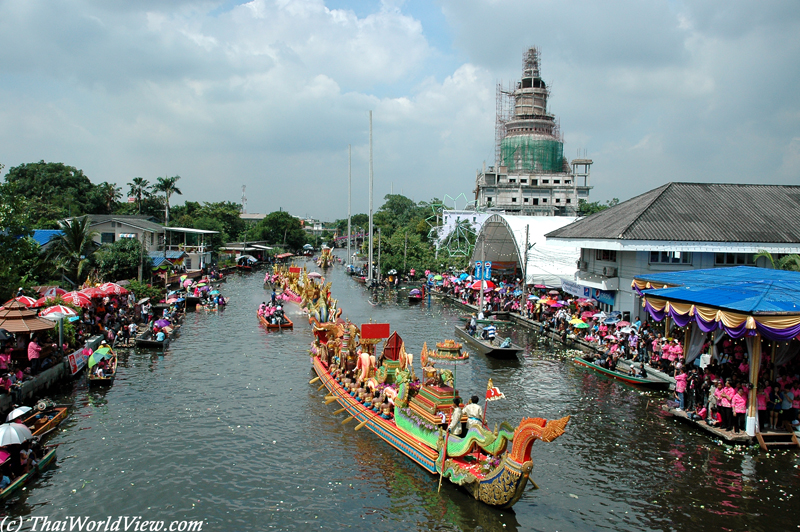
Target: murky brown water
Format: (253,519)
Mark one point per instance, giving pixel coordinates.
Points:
(224,427)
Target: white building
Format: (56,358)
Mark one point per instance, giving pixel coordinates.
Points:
(678,226)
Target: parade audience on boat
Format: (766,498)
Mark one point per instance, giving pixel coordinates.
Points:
(474,413)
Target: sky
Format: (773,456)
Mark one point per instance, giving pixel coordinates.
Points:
(268,94)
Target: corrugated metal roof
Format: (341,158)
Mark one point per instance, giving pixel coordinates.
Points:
(698,212)
(170,254)
(43,236)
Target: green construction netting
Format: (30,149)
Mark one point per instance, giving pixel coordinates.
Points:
(528,154)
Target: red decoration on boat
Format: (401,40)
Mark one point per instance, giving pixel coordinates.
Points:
(295,269)
(493,393)
(375,330)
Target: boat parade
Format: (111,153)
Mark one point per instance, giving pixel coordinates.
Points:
(311,266)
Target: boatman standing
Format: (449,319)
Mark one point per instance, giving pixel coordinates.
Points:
(474,413)
(455,419)
(489,332)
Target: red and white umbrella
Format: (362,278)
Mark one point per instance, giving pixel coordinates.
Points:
(93,291)
(77,298)
(54,292)
(113,288)
(57,311)
(44,301)
(486,284)
(25,300)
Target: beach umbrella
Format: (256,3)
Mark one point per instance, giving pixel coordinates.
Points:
(104,353)
(25,300)
(14,433)
(77,298)
(113,288)
(315,275)
(93,291)
(162,323)
(44,301)
(57,312)
(54,292)
(17,412)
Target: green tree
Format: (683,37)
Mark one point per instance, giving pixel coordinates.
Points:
(110,194)
(121,259)
(585,208)
(56,191)
(280,228)
(73,250)
(139,189)
(167,185)
(21,264)
(786,262)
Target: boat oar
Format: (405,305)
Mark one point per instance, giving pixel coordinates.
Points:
(361,425)
(312,381)
(348,419)
(321,386)
(336,412)
(329,400)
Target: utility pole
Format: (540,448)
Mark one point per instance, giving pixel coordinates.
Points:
(523,306)
(379,254)
(405,252)
(349,195)
(369,258)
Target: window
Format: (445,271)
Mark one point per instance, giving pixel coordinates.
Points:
(567,182)
(512,180)
(536,201)
(605,254)
(488,200)
(523,181)
(733,259)
(556,181)
(670,257)
(525,200)
(107,238)
(558,200)
(569,200)
(534,182)
(544,200)
(513,200)
(545,181)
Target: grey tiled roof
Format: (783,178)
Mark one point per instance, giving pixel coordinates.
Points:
(698,212)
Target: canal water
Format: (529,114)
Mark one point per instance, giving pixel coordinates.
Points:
(224,427)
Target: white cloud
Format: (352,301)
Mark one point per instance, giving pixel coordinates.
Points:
(269,93)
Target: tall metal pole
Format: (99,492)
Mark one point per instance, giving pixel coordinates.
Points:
(349,190)
(483,261)
(379,254)
(523,305)
(369,258)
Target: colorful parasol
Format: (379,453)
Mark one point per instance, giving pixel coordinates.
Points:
(113,288)
(77,298)
(25,300)
(57,312)
(104,353)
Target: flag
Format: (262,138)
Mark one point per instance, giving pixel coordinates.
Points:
(492,393)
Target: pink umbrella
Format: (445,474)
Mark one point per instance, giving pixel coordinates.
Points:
(555,304)
(113,288)
(57,311)
(25,300)
(623,323)
(77,298)
(187,283)
(314,275)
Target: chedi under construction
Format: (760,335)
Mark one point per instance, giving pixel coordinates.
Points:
(531,176)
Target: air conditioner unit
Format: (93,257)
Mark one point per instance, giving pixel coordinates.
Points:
(583,265)
(609,271)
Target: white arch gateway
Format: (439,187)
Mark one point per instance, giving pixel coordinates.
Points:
(501,240)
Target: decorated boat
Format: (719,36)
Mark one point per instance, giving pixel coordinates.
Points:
(287,324)
(651,383)
(105,355)
(18,483)
(325,257)
(384,396)
(490,349)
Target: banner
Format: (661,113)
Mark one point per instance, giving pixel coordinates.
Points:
(575,289)
(604,296)
(478,270)
(375,330)
(487,271)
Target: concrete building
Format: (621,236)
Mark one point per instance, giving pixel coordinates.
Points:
(531,176)
(676,227)
(112,227)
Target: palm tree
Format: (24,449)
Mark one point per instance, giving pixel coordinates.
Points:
(139,188)
(787,262)
(111,194)
(167,186)
(73,250)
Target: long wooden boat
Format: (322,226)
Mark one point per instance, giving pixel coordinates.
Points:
(487,348)
(108,378)
(288,325)
(22,480)
(416,295)
(43,422)
(485,321)
(147,341)
(648,382)
(492,466)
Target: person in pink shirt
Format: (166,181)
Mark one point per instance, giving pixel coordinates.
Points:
(680,388)
(761,404)
(739,405)
(34,352)
(724,404)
